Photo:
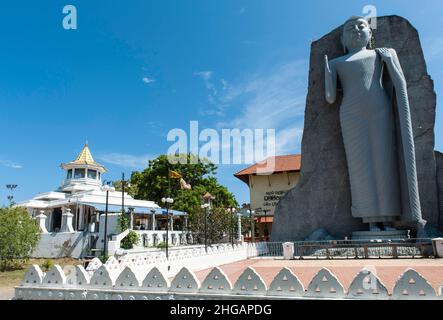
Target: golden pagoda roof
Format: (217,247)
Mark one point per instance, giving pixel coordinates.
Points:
(84,158)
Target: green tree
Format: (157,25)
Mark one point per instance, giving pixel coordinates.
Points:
(123,222)
(130,189)
(219,224)
(19,236)
(153,184)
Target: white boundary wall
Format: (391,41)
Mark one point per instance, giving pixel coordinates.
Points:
(108,284)
(144,276)
(194,258)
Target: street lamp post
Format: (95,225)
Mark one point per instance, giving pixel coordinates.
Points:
(232,229)
(205,207)
(207,198)
(167,201)
(265,230)
(251,217)
(107,189)
(239,233)
(11,196)
(123,193)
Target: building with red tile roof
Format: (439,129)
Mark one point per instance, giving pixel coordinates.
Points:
(268,181)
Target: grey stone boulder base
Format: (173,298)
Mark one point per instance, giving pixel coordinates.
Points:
(320,234)
(322,197)
(439,159)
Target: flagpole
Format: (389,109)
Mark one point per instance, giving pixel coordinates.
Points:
(169,182)
(167,215)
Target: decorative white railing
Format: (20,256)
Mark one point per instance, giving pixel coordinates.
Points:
(149,275)
(193,257)
(108,283)
(152,238)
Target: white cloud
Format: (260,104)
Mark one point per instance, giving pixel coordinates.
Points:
(205,75)
(10,164)
(126,160)
(212,96)
(148,80)
(288,140)
(224,83)
(272,100)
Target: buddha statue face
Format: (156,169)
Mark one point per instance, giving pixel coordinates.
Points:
(356,34)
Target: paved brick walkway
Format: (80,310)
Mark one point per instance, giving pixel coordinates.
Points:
(388,270)
(6,293)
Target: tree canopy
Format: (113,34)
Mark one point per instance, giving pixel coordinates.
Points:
(154,183)
(19,236)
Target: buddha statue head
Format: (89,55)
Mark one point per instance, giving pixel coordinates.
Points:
(356,34)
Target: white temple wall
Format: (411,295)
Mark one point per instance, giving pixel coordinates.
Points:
(112,227)
(62,245)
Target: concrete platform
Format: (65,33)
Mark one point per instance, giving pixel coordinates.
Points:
(380,235)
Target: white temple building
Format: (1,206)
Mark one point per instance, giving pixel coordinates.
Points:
(72,217)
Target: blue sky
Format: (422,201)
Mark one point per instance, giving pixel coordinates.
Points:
(133,70)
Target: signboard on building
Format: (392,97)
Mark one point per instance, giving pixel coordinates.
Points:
(266,191)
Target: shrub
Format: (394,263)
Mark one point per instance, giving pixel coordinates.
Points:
(19,236)
(162,245)
(48,264)
(129,241)
(103,258)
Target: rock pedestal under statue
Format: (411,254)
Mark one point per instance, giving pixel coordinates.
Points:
(381,235)
(322,197)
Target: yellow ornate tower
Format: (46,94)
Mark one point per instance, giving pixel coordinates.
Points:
(83,173)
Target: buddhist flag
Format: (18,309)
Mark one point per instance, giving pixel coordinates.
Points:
(174,174)
(184,185)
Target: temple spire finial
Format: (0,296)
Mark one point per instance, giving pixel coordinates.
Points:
(85,156)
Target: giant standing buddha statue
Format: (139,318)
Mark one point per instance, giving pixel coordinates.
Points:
(376,127)
(368,165)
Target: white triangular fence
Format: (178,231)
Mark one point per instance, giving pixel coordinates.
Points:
(216,282)
(250,283)
(185,282)
(109,283)
(155,281)
(366,285)
(286,283)
(325,285)
(411,285)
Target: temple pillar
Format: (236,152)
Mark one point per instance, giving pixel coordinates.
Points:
(131,219)
(239,235)
(67,221)
(41,221)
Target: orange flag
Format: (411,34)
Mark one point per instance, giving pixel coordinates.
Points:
(174,174)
